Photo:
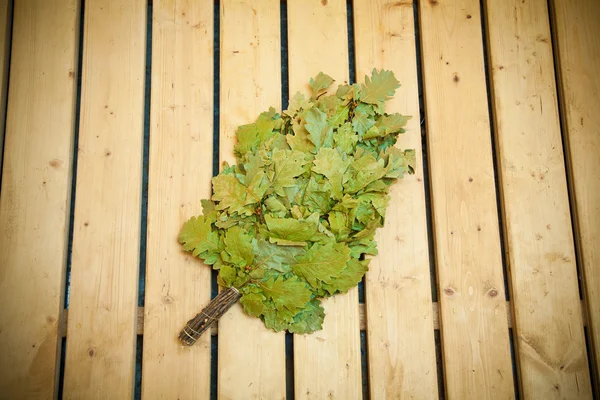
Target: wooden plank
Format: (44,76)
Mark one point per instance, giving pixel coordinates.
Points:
(180,172)
(476,349)
(327,362)
(34,204)
(5,39)
(578,63)
(550,338)
(400,337)
(251,357)
(104,277)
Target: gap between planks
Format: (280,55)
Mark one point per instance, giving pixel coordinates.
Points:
(214,329)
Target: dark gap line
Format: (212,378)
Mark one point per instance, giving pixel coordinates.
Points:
(214,340)
(62,354)
(285,82)
(290,390)
(590,359)
(569,174)
(139,344)
(145,161)
(437,333)
(425,156)
(75,150)
(495,148)
(364,354)
(61,368)
(214,366)
(351,50)
(139,352)
(216,114)
(513,358)
(439,358)
(8,55)
(489,83)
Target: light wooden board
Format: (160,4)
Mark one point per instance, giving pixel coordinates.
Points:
(578,63)
(476,350)
(35,197)
(541,253)
(398,287)
(327,362)
(104,277)
(181,142)
(5,38)
(251,358)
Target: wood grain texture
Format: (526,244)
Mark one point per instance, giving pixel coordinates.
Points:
(35,197)
(578,63)
(251,357)
(181,143)
(327,362)
(476,350)
(541,254)
(398,288)
(5,40)
(104,277)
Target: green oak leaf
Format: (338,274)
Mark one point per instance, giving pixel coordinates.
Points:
(238,245)
(322,264)
(320,83)
(319,130)
(379,88)
(196,236)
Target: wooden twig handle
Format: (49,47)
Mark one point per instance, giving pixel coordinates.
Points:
(209,315)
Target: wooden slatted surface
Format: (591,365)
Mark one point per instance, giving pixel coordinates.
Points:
(34,202)
(578,63)
(251,357)
(181,144)
(326,363)
(475,339)
(399,360)
(541,253)
(400,338)
(104,277)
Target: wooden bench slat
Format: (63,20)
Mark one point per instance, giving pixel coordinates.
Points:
(398,287)
(476,349)
(180,171)
(100,359)
(251,357)
(578,65)
(327,363)
(35,197)
(541,253)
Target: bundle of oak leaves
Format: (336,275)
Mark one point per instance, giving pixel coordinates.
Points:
(292,222)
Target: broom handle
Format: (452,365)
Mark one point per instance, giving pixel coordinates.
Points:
(209,315)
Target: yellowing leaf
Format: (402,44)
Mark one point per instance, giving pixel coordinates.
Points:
(320,83)
(287,164)
(320,132)
(229,192)
(380,87)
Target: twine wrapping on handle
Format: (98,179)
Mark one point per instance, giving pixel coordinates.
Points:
(209,315)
